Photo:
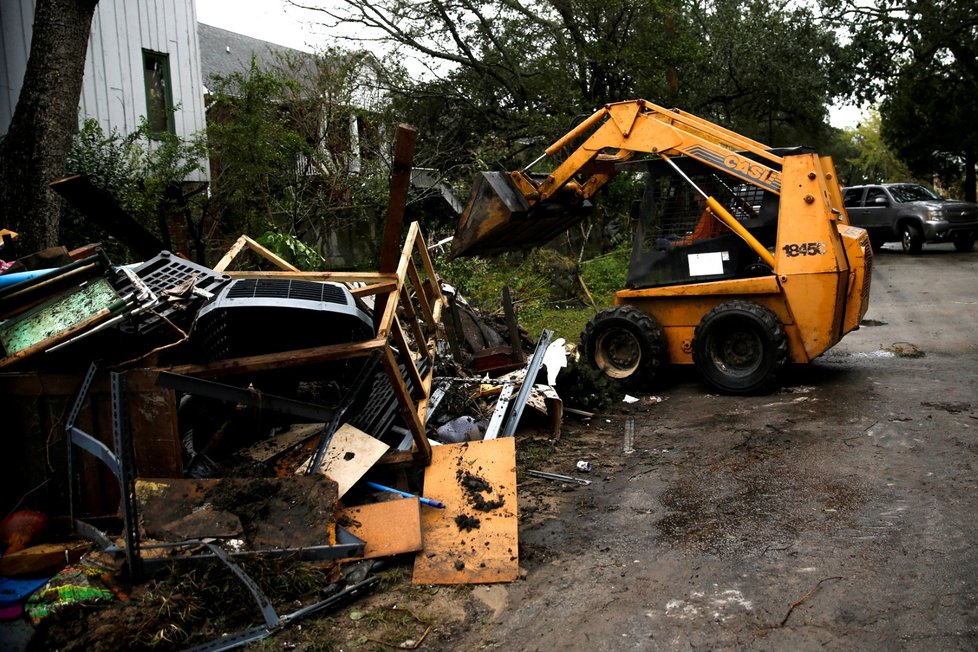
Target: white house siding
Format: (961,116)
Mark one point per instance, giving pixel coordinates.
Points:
(113,91)
(16,20)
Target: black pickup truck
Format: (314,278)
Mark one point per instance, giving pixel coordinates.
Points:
(912,215)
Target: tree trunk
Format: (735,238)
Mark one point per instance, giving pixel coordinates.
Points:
(33,152)
(969,175)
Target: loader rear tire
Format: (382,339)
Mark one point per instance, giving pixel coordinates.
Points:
(739,347)
(625,344)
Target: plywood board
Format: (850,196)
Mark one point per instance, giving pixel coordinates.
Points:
(351,453)
(390,528)
(267,449)
(475,538)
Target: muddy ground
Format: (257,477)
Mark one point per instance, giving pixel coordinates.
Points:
(836,513)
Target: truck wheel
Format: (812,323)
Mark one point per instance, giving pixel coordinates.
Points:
(964,241)
(624,343)
(739,347)
(911,238)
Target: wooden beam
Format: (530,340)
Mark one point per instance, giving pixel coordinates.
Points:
(337,277)
(394,222)
(283,360)
(512,326)
(245,241)
(268,255)
(404,143)
(235,249)
(419,291)
(410,364)
(377,288)
(412,316)
(408,408)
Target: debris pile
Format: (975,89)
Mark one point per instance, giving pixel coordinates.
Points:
(169,413)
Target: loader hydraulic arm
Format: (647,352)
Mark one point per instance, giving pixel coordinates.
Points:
(519,209)
(625,129)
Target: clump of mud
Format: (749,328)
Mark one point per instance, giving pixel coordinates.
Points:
(475,488)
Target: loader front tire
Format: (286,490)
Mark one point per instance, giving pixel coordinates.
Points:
(739,347)
(625,344)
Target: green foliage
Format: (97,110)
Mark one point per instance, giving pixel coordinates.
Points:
(606,274)
(929,121)
(517,76)
(539,300)
(292,250)
(254,147)
(143,174)
(284,155)
(765,70)
(921,58)
(871,160)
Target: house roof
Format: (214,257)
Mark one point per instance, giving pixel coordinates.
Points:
(223,53)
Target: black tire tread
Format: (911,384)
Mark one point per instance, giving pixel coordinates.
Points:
(642,324)
(916,238)
(773,326)
(964,242)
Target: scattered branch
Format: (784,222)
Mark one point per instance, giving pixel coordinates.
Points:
(805,597)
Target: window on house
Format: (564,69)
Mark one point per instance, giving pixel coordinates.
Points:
(159,97)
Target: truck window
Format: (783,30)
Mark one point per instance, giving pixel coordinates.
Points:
(872,194)
(851,198)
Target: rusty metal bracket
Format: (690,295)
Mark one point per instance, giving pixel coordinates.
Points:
(119,463)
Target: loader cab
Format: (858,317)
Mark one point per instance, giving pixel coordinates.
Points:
(677,242)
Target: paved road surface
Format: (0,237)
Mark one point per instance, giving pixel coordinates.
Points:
(838,513)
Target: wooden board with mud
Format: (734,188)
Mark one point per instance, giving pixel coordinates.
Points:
(268,513)
(475,538)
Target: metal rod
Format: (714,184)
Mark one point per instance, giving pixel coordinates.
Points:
(683,175)
(426,501)
(535,161)
(558,477)
(231,394)
(122,440)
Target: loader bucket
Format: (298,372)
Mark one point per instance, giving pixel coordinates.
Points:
(498,218)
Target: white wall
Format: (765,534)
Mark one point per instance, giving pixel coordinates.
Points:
(113,90)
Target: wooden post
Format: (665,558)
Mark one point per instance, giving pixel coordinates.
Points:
(390,245)
(511,325)
(390,248)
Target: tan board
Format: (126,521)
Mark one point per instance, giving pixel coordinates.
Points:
(351,453)
(390,528)
(275,445)
(464,544)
